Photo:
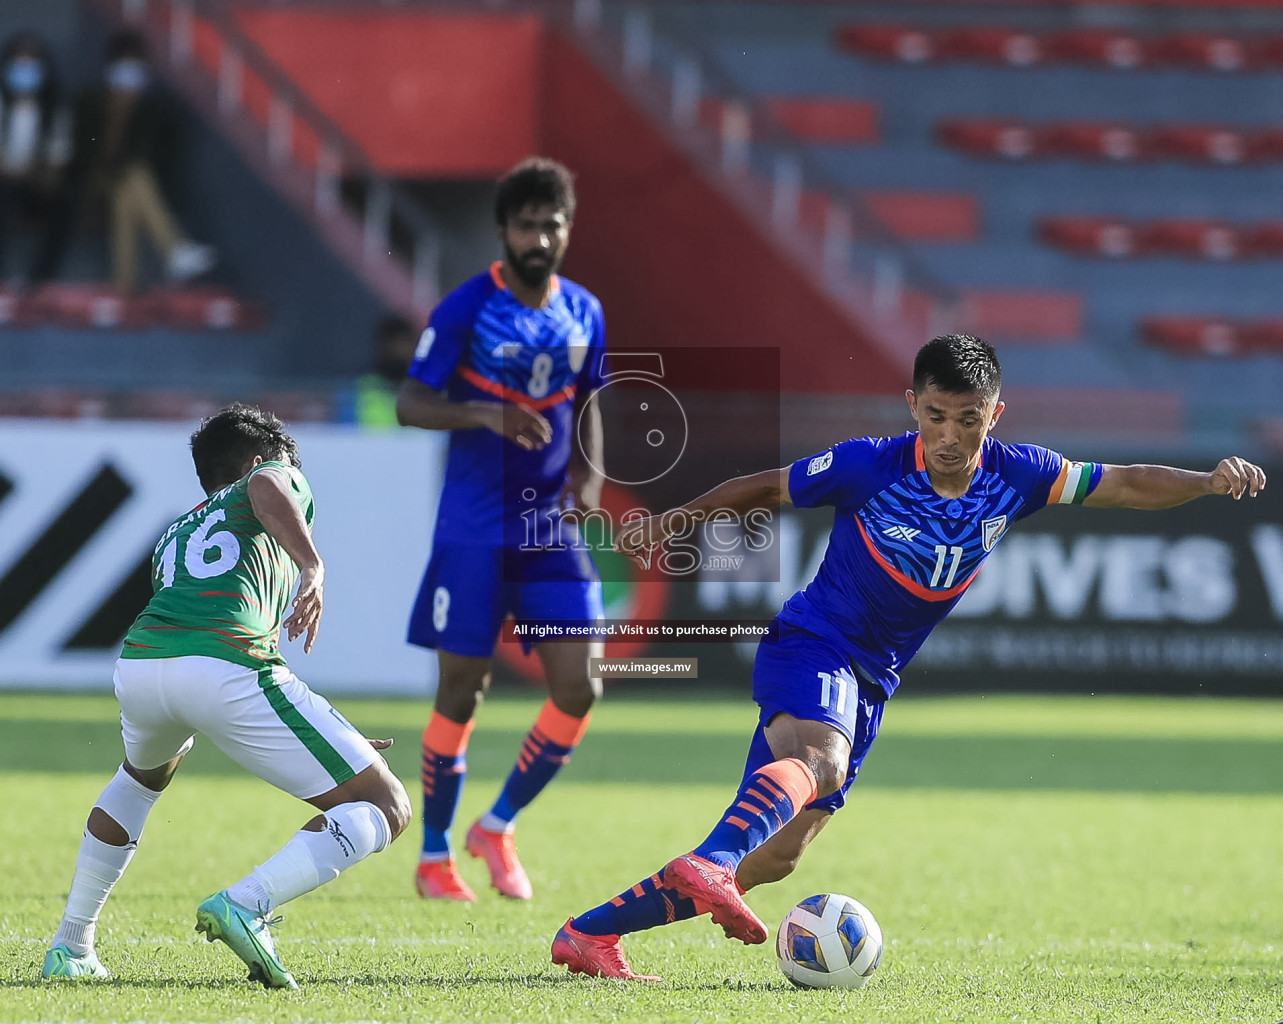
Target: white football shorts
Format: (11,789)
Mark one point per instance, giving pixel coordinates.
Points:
(265,719)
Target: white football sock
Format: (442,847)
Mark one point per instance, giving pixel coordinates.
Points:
(352,832)
(100,865)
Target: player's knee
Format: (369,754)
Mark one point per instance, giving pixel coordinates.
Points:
(395,805)
(575,696)
(830,773)
(459,696)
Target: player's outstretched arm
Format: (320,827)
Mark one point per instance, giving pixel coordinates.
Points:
(274,506)
(1158,487)
(417,405)
(732,499)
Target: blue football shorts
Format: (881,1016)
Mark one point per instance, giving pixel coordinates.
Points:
(469,589)
(806,676)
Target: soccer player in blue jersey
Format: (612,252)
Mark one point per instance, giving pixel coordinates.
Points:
(915,517)
(507,364)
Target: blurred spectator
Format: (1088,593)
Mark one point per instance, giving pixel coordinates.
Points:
(374,401)
(35,149)
(127,137)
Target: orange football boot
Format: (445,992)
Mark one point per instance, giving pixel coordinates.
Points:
(499,851)
(598,956)
(713,887)
(439,880)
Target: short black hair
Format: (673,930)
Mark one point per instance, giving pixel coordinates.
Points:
(537,180)
(958,364)
(224,442)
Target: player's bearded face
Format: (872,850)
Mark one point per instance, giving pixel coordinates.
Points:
(953,427)
(534,243)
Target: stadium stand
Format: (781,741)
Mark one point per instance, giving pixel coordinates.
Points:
(1140,140)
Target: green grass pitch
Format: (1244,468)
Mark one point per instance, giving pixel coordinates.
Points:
(1029,859)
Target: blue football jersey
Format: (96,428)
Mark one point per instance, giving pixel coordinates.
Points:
(483,344)
(900,556)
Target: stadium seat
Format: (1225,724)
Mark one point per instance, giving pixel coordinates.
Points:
(1203,50)
(1003,138)
(1190,239)
(890,42)
(79,305)
(1117,50)
(1212,336)
(1109,237)
(927,216)
(1203,143)
(1094,140)
(1010,46)
(1007,138)
(1263,241)
(1265,145)
(1024,315)
(204,307)
(832,121)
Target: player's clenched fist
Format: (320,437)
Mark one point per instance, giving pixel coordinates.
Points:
(1236,477)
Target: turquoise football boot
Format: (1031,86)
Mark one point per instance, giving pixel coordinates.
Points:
(60,962)
(247,935)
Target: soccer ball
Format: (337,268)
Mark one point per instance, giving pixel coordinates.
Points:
(829,941)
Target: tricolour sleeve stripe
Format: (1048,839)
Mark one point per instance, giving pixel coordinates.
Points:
(1058,487)
(1075,479)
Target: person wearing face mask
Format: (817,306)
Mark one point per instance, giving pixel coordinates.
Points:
(129,138)
(35,149)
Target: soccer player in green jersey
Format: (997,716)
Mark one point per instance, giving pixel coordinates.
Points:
(203,657)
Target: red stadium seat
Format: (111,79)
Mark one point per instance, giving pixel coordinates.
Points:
(1213,336)
(1010,46)
(1191,239)
(79,305)
(890,42)
(1264,240)
(1192,336)
(1090,236)
(1024,316)
(1203,50)
(1117,50)
(1265,144)
(1005,139)
(1095,140)
(927,216)
(205,307)
(1205,143)
(834,121)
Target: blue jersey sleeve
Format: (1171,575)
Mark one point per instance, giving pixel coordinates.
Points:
(845,475)
(446,338)
(1048,478)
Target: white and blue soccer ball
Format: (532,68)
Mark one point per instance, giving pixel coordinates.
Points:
(829,941)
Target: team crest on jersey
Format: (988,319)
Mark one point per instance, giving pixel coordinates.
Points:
(819,464)
(577,348)
(991,530)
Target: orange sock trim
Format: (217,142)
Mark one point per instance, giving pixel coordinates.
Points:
(563,729)
(794,778)
(444,737)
